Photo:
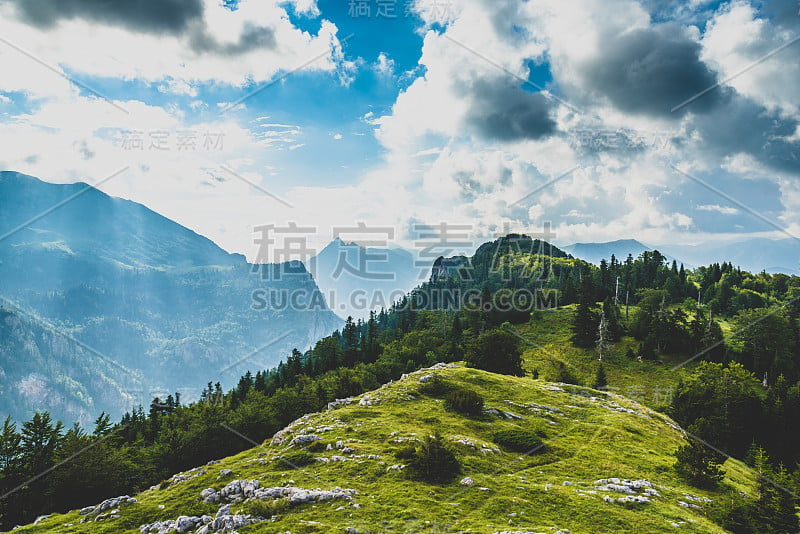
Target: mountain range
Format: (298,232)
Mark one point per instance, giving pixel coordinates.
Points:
(754,255)
(107,304)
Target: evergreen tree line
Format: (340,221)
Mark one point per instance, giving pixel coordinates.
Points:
(46,468)
(728,412)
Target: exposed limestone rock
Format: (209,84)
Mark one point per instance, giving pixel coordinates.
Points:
(242,490)
(224,521)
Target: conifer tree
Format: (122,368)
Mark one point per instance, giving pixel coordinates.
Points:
(10,441)
(102,425)
(584,325)
(600,379)
(699,464)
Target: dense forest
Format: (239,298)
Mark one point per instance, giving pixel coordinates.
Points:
(739,396)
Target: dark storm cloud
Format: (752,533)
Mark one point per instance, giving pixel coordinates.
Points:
(253,37)
(500,110)
(650,71)
(742,125)
(154,16)
(176,17)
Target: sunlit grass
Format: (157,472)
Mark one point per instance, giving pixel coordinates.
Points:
(586,439)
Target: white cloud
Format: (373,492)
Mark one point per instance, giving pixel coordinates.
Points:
(436,165)
(737,42)
(384,66)
(178,87)
(89,49)
(306,7)
(724,210)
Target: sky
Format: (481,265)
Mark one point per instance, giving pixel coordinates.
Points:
(667,122)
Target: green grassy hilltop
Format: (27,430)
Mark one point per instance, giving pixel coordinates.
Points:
(587,437)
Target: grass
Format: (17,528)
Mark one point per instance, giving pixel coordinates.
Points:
(548,340)
(587,435)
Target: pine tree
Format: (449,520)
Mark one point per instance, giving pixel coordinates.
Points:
(700,465)
(604,285)
(615,329)
(456,329)
(372,345)
(776,512)
(245,384)
(40,439)
(350,337)
(294,367)
(600,380)
(102,425)
(260,384)
(10,441)
(584,326)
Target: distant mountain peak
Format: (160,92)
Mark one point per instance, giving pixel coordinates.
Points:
(94,224)
(595,252)
(620,242)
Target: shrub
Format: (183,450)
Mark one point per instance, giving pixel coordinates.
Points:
(496,351)
(564,375)
(699,465)
(406,453)
(518,440)
(294,460)
(436,386)
(433,461)
(464,401)
(268,508)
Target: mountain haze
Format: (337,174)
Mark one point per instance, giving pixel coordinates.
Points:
(754,255)
(594,252)
(122,287)
(356,279)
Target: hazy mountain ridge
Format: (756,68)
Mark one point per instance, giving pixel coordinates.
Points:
(141,290)
(594,252)
(88,221)
(41,367)
(356,279)
(754,255)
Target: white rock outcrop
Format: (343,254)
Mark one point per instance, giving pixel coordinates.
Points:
(243,490)
(224,521)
